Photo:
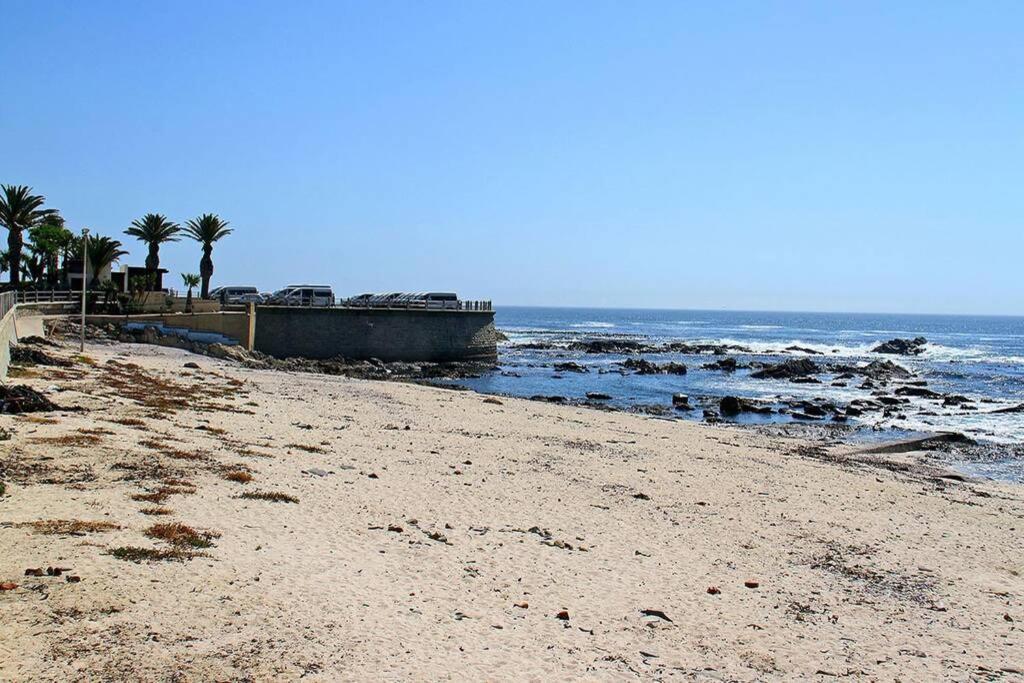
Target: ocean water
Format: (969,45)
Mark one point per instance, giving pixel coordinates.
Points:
(980,357)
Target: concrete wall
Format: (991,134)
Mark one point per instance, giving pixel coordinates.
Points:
(8,336)
(390,335)
(20,321)
(234,325)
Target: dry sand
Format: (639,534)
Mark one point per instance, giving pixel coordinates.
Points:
(448,532)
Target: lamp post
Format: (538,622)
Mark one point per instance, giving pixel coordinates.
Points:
(85,270)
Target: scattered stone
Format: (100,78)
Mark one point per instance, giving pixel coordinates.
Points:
(598,396)
(191,365)
(316,472)
(714,590)
(8,586)
(73,579)
(522,605)
(751,584)
(34,571)
(563,615)
(493,401)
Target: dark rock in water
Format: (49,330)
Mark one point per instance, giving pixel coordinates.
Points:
(609,346)
(839,384)
(642,366)
(891,400)
(920,392)
(844,376)
(570,367)
(548,399)
(882,370)
(730,406)
(902,347)
(725,365)
(796,367)
(1013,409)
(954,400)
(803,349)
(681,401)
(711,416)
(598,396)
(797,415)
(813,410)
(24,399)
(805,380)
(853,411)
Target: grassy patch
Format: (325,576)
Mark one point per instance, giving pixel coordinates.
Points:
(240,476)
(18,372)
(84,359)
(272,496)
(133,553)
(155,497)
(64,527)
(68,440)
(182,536)
(128,421)
(157,510)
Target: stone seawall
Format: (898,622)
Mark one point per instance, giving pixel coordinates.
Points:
(389,335)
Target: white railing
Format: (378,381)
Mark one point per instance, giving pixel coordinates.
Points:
(417,304)
(30,296)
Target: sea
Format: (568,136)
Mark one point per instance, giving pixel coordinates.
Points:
(977,357)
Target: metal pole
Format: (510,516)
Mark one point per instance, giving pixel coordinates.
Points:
(85,270)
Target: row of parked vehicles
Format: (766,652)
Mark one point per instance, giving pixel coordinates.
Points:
(322,296)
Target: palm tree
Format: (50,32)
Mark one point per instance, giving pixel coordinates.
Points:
(102,251)
(206,230)
(190,280)
(48,241)
(19,210)
(154,229)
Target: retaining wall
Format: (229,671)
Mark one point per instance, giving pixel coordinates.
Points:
(234,325)
(389,335)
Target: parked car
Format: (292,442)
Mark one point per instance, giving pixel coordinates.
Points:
(304,295)
(406,300)
(235,295)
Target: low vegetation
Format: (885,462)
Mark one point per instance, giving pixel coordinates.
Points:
(240,476)
(182,536)
(157,510)
(272,496)
(68,527)
(136,554)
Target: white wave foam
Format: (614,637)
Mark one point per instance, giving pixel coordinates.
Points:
(594,323)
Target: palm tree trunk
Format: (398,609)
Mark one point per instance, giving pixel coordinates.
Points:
(152,263)
(206,270)
(14,253)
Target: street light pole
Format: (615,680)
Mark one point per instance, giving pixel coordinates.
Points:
(85,270)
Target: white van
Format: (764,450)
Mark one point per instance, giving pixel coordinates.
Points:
(236,295)
(304,295)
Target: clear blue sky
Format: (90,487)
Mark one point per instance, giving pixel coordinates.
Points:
(852,156)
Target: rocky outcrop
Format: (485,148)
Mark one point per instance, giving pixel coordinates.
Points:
(790,369)
(902,347)
(570,367)
(641,366)
(724,365)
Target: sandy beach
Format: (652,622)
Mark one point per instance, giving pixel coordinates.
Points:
(429,534)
